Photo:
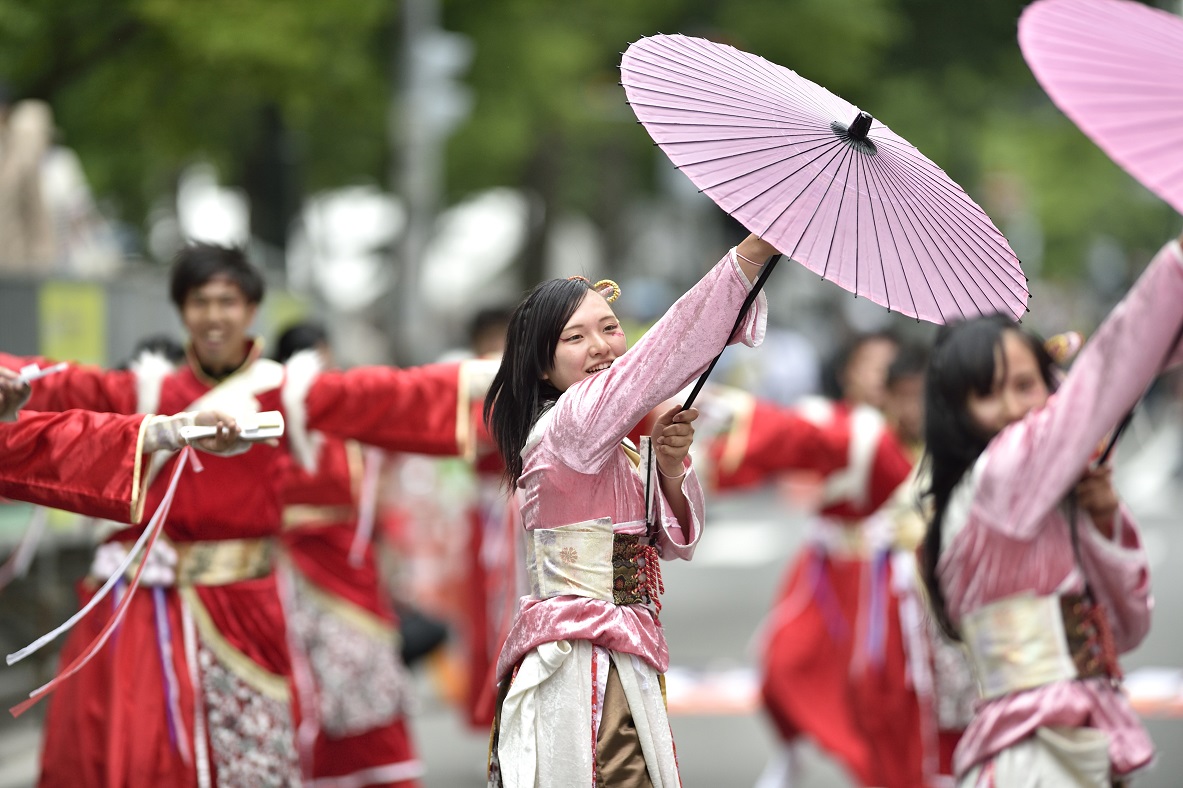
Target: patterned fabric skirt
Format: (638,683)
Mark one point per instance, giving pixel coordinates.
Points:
(357,692)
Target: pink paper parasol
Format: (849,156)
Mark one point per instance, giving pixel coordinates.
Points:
(1115,68)
(825,183)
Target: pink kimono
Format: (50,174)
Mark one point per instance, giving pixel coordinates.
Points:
(577,474)
(1005,532)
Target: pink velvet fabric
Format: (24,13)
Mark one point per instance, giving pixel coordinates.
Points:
(1017,537)
(575,470)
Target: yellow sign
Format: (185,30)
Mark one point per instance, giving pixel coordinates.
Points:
(73,322)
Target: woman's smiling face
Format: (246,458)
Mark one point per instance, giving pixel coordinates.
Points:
(589,343)
(1018,388)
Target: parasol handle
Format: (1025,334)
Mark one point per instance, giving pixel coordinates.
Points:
(1125,422)
(743,313)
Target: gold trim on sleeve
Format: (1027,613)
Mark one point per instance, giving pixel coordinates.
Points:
(139,479)
(465,429)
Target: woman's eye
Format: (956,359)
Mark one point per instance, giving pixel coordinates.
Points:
(612,328)
(572,338)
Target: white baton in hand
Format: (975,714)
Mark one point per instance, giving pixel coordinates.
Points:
(32,372)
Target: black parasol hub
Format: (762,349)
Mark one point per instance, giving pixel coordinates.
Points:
(855,134)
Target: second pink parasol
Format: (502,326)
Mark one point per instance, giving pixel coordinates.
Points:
(1115,68)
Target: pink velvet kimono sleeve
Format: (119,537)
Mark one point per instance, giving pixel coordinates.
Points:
(1054,444)
(594,415)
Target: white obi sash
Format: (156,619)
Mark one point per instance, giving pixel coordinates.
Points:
(573,559)
(1018,643)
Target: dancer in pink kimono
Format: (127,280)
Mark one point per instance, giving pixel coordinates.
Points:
(582,668)
(1030,558)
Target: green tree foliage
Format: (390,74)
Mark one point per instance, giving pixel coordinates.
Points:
(303,87)
(140,87)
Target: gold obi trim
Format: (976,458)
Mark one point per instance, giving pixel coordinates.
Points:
(1026,641)
(203,563)
(587,559)
(302,515)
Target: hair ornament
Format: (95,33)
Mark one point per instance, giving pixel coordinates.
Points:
(578,278)
(1064,347)
(607,288)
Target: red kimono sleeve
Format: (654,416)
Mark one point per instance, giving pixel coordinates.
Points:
(424,410)
(772,439)
(889,469)
(84,387)
(90,463)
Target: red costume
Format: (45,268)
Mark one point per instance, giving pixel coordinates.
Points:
(194,686)
(834,665)
(52,459)
(344,629)
(494,583)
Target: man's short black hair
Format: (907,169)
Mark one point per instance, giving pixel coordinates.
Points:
(198,263)
(300,336)
(492,318)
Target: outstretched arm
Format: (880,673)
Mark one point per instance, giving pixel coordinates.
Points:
(84,387)
(594,414)
(90,463)
(421,409)
(1031,465)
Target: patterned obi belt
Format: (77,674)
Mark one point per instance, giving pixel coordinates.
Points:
(589,559)
(1026,641)
(204,563)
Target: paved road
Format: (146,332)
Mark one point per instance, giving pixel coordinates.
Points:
(713,607)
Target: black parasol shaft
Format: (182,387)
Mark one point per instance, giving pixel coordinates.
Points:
(757,286)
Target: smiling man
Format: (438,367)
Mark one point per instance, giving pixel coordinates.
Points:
(195,689)
(217,296)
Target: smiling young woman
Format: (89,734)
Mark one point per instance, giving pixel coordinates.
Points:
(559,409)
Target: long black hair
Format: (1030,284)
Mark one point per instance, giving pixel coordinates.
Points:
(518,394)
(962,362)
